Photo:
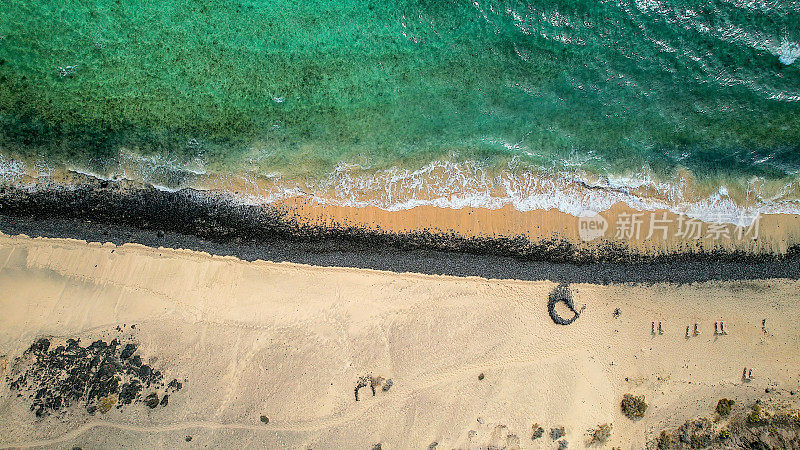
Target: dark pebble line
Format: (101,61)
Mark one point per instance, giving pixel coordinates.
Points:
(120,212)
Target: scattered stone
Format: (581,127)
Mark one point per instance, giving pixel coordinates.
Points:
(264,419)
(556,433)
(165,400)
(151,400)
(188,439)
(175,385)
(617,313)
(130,392)
(39,346)
(480,376)
(536,432)
(433,445)
(128,351)
(372,382)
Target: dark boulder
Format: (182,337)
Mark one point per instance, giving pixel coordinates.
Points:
(128,351)
(151,400)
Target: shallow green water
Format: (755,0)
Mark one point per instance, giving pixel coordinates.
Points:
(607,86)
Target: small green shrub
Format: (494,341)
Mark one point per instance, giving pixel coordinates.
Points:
(724,434)
(754,418)
(106,403)
(664,441)
(633,407)
(724,407)
(600,434)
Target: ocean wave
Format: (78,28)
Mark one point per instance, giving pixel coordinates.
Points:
(457,185)
(789,52)
(653,18)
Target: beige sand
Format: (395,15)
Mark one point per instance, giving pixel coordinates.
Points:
(774,233)
(290,341)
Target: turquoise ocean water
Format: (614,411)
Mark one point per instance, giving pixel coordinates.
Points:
(692,105)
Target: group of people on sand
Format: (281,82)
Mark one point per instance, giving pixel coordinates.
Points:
(719,329)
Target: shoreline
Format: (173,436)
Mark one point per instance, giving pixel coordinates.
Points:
(441,184)
(118,212)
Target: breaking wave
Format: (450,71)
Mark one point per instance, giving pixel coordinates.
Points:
(457,185)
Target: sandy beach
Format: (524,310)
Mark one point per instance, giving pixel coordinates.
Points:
(473,362)
(391,224)
(626,226)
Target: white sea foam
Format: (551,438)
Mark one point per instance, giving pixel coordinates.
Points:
(165,188)
(789,52)
(88,173)
(457,185)
(448,184)
(11,169)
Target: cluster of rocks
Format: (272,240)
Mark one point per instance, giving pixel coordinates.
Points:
(562,294)
(556,435)
(98,377)
(373,383)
